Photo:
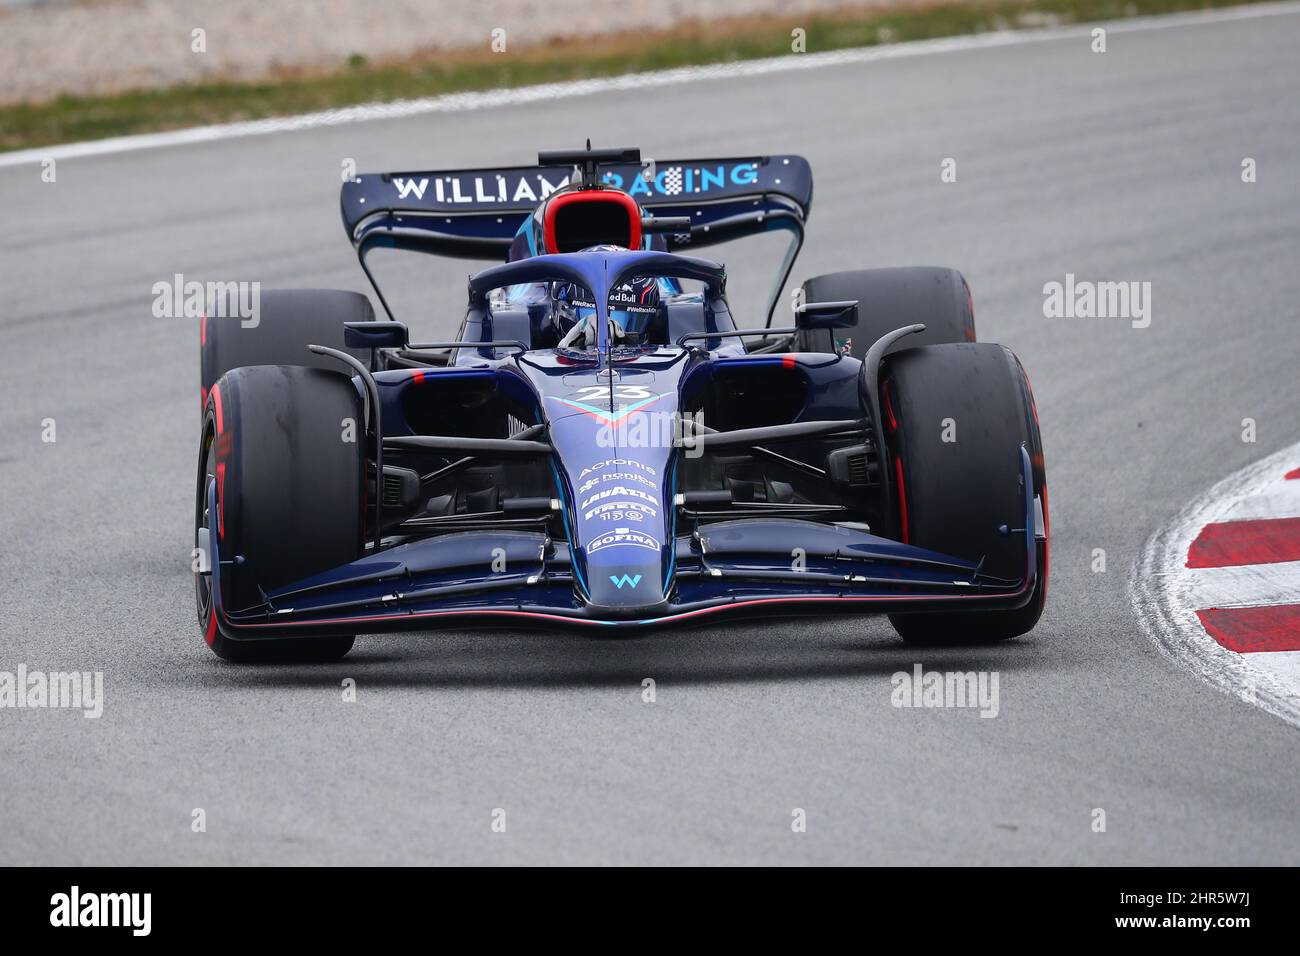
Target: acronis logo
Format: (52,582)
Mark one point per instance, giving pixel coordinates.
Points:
(622,579)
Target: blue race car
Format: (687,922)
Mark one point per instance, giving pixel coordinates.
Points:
(603,445)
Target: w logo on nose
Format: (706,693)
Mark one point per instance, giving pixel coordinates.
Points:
(625,579)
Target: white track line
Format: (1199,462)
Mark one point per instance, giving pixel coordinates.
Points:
(1281,503)
(1284,665)
(1165,600)
(1248,585)
(488,99)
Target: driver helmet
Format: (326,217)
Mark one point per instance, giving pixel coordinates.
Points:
(632,305)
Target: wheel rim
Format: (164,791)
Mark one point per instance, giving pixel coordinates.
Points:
(203,582)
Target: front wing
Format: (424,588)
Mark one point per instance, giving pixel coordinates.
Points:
(726,569)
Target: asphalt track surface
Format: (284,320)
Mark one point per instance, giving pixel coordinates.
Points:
(1117,166)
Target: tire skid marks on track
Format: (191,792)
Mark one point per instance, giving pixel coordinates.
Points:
(1218,588)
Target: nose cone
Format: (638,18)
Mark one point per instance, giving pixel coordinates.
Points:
(620,502)
(625,572)
(613,430)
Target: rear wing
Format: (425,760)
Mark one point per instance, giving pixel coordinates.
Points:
(475,213)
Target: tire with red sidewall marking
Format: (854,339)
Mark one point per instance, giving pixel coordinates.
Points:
(285,447)
(957,417)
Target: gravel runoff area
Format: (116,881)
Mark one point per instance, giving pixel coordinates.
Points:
(108,46)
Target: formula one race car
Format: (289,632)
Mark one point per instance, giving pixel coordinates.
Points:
(603,445)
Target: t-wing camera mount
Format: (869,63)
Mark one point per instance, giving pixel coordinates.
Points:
(589,160)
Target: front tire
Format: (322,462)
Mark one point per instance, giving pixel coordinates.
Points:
(957,418)
(289,486)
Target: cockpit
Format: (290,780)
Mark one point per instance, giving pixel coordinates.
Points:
(642,310)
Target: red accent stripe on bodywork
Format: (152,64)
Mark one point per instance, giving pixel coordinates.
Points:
(1293,474)
(1233,543)
(1248,630)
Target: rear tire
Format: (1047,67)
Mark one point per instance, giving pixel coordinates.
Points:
(957,492)
(288,320)
(289,497)
(889,299)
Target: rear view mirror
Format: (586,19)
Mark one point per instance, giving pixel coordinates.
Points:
(662,224)
(826,315)
(374,335)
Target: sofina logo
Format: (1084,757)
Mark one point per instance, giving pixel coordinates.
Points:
(629,579)
(623,536)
